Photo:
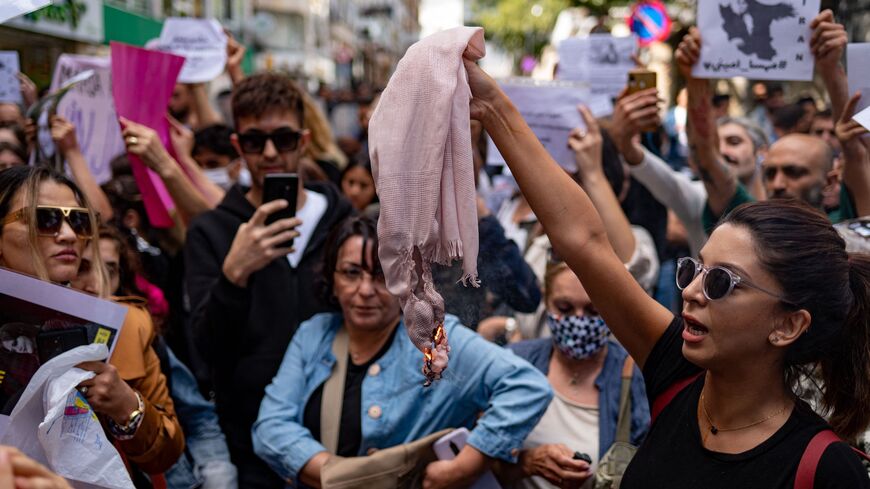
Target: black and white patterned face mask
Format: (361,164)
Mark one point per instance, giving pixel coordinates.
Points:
(578,337)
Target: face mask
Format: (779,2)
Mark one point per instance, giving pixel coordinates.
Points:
(578,337)
(219,177)
(244,177)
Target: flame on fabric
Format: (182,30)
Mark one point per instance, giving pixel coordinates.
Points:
(438,337)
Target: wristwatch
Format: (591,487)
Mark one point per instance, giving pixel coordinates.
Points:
(128,431)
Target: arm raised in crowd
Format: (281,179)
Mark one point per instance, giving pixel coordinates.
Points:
(720,182)
(235,55)
(588,146)
(570,219)
(183,142)
(204,114)
(827,44)
(63,133)
(856,165)
(144,142)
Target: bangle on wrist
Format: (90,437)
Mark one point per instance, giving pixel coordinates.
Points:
(128,430)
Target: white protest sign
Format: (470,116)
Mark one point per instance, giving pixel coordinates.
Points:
(13,8)
(601,60)
(203,44)
(10,87)
(863,118)
(759,39)
(858,67)
(90,108)
(550,110)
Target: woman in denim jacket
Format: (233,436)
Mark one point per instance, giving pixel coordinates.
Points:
(585,367)
(385,403)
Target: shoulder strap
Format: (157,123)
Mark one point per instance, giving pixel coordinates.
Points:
(623,423)
(806,472)
(333,394)
(665,398)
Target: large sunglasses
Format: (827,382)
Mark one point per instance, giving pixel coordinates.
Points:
(716,282)
(284,139)
(49,220)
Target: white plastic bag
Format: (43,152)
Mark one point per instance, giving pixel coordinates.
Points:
(54,424)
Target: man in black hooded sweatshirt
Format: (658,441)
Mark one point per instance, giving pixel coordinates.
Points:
(248,295)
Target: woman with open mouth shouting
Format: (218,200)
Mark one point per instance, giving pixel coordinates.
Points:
(772,294)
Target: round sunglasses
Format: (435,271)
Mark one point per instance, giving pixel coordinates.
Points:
(50,218)
(716,282)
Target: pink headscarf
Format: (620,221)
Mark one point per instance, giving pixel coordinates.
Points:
(420,147)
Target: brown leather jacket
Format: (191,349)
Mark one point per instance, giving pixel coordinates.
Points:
(159,441)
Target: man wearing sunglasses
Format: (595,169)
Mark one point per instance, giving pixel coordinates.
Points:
(797,165)
(247,293)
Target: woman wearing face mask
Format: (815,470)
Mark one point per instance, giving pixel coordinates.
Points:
(772,294)
(585,366)
(46,227)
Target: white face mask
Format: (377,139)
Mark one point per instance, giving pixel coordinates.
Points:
(219,177)
(244,176)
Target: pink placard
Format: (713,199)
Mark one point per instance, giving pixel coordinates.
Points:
(142,83)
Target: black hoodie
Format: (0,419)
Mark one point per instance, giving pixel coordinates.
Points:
(243,332)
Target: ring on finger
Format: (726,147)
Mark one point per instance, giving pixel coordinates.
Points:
(131,140)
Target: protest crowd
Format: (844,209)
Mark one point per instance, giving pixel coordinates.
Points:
(684,304)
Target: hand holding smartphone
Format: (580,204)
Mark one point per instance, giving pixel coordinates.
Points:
(281,186)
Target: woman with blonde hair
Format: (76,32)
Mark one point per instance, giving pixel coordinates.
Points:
(322,148)
(47,224)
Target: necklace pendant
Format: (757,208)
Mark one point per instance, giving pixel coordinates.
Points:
(714,430)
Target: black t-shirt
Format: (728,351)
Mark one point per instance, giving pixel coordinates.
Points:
(350,431)
(673,457)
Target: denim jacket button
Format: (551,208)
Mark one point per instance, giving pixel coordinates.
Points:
(374,370)
(375,412)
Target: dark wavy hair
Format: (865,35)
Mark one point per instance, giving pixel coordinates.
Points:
(798,246)
(266,92)
(364,226)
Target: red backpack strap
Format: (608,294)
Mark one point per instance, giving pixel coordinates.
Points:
(806,472)
(665,398)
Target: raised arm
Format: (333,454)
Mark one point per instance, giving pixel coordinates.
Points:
(719,180)
(63,133)
(570,219)
(856,165)
(827,44)
(587,146)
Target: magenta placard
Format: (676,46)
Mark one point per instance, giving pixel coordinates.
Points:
(142,83)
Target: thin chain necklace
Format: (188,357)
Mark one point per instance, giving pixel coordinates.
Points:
(714,430)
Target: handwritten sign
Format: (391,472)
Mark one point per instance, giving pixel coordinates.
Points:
(10,9)
(601,60)
(759,39)
(89,106)
(142,75)
(10,87)
(857,57)
(201,42)
(550,110)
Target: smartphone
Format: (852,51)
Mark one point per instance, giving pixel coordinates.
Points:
(448,447)
(281,186)
(50,344)
(639,80)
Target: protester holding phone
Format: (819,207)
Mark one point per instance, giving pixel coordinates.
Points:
(47,227)
(248,293)
(383,402)
(759,305)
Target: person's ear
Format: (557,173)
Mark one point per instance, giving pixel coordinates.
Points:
(131,220)
(234,140)
(304,141)
(790,328)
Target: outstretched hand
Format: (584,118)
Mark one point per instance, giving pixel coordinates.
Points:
(689,52)
(828,41)
(586,145)
(848,130)
(484,90)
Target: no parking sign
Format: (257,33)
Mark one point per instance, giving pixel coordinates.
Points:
(649,20)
